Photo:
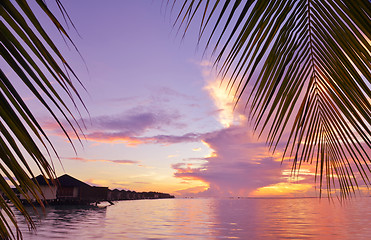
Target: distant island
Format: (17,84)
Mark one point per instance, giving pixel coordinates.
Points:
(67,190)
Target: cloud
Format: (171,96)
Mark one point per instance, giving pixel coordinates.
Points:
(111,137)
(123,161)
(136,121)
(239,165)
(170,139)
(131,127)
(223,95)
(284,189)
(102,160)
(191,191)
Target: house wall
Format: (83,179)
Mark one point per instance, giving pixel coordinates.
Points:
(68,192)
(49,192)
(93,193)
(75,192)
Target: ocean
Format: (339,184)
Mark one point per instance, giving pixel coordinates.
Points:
(207,218)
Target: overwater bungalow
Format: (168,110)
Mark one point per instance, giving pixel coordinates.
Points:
(48,190)
(71,189)
(115,195)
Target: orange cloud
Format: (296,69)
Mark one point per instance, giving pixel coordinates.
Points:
(106,138)
(103,160)
(284,189)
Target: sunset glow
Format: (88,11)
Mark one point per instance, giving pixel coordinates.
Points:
(185,119)
(160,118)
(283,189)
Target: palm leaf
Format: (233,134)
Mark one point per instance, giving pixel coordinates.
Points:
(302,65)
(21,134)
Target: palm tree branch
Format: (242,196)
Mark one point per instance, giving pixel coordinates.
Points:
(28,50)
(303,63)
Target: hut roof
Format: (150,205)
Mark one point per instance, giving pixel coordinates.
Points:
(41,180)
(68,181)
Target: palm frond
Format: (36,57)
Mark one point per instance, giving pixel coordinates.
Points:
(31,54)
(304,65)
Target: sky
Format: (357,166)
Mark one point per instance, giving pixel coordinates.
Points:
(158,118)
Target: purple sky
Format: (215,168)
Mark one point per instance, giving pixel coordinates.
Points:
(158,118)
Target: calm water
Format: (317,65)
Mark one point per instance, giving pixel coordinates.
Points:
(209,219)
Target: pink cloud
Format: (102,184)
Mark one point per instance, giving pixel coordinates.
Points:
(102,160)
(107,137)
(129,128)
(240,164)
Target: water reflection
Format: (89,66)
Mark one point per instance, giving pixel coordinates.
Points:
(303,218)
(208,219)
(65,222)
